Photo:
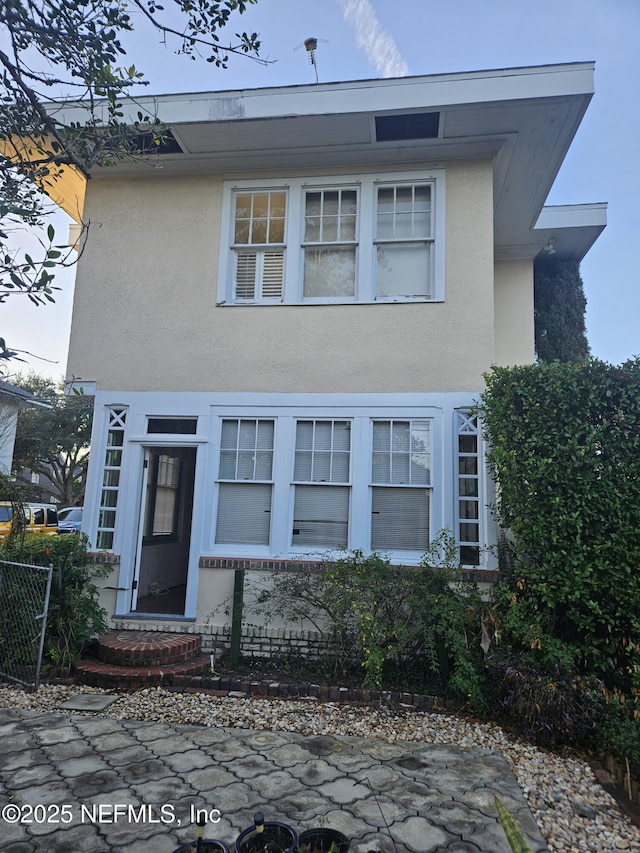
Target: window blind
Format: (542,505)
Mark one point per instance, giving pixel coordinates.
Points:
(399,519)
(244,513)
(320,516)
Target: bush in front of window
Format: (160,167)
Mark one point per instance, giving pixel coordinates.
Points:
(374,616)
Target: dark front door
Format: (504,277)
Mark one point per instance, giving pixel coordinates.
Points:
(165,530)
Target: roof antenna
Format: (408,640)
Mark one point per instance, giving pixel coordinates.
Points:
(311,45)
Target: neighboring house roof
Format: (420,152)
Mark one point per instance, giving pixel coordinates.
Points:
(20,398)
(523,118)
(12,399)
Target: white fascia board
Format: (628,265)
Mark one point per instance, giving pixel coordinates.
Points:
(361,96)
(572,216)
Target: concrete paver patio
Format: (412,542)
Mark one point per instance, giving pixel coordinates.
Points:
(102,784)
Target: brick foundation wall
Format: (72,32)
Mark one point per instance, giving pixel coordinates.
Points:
(255,641)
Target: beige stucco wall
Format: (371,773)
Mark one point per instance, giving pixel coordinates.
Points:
(514,333)
(145,316)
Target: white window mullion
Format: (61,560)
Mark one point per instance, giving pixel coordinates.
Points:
(285,442)
(360,527)
(365,259)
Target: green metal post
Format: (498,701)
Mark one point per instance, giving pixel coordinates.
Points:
(236,616)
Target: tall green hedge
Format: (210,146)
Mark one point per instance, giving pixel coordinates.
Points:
(565,452)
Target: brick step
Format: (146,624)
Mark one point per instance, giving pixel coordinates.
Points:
(147,648)
(97,673)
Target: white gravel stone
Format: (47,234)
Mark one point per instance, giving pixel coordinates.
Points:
(552,784)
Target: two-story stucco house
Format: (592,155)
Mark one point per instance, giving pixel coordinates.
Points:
(285,317)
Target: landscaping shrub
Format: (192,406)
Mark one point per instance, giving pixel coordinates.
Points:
(376,616)
(563,450)
(618,730)
(551,708)
(74,614)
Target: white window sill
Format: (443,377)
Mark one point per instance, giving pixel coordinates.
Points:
(280,304)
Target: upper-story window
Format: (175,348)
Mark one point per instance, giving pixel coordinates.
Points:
(403,241)
(370,238)
(330,243)
(258,245)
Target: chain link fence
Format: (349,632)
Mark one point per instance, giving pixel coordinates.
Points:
(24,601)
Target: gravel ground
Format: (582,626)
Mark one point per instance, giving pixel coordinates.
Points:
(574,813)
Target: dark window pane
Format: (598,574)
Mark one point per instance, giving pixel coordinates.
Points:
(468,443)
(470,555)
(176,426)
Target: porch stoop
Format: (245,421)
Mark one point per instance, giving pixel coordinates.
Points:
(136,659)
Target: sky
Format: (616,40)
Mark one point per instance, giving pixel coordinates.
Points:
(362,39)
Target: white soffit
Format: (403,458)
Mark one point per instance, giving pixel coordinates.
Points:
(523,118)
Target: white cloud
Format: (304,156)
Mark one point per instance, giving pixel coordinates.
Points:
(379,46)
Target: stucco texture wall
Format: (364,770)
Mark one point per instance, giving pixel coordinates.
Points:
(145,316)
(514,331)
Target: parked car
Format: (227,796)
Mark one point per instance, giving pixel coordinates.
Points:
(37,518)
(70,519)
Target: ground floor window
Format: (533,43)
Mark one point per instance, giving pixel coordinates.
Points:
(321,477)
(400,508)
(312,484)
(245,481)
(116,424)
(468,483)
(290,479)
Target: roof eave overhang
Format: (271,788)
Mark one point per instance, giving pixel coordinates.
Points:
(522,119)
(20,398)
(568,231)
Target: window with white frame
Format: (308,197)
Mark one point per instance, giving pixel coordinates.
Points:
(308,481)
(403,241)
(321,484)
(245,481)
(371,238)
(330,243)
(116,419)
(468,487)
(401,485)
(258,245)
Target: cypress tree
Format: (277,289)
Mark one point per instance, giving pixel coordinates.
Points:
(559,309)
